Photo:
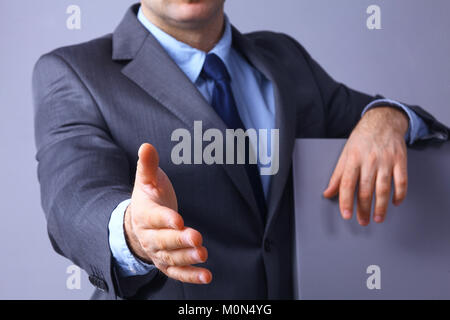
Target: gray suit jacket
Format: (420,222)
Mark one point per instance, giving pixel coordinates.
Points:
(95,103)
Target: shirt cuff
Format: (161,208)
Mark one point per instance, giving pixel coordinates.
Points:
(126,263)
(417,130)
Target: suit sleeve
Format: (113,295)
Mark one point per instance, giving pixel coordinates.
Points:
(344,106)
(83,174)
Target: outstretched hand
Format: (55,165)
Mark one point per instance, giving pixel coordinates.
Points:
(154,229)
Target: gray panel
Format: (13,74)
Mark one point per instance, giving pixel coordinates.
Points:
(412,247)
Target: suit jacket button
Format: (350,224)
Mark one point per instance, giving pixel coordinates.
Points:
(98,283)
(267,245)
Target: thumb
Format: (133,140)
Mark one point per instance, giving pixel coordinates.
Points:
(147,166)
(332,190)
(333,186)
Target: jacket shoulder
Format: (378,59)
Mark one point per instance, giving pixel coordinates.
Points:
(83,54)
(277,43)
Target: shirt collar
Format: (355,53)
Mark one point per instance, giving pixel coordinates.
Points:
(190,60)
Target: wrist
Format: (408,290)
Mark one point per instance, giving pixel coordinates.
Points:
(402,119)
(390,118)
(131,239)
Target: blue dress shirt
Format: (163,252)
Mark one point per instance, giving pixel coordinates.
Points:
(255,101)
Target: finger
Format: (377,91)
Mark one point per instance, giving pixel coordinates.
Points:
(347,190)
(189,274)
(333,185)
(382,193)
(400,182)
(168,239)
(182,257)
(161,217)
(365,194)
(147,166)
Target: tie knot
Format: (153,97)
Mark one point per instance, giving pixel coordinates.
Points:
(215,69)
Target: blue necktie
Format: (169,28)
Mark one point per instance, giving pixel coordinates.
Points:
(224,104)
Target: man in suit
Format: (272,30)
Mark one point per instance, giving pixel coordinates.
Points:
(119,207)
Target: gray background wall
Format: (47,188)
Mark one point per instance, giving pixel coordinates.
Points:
(408,60)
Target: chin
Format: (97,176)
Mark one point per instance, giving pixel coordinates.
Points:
(192,12)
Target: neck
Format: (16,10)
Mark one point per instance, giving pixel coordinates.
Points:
(202,36)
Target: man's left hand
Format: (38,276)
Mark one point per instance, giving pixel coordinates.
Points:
(374,155)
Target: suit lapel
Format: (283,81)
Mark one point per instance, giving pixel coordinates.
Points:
(152,69)
(272,69)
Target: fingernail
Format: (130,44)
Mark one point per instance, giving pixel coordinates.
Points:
(140,149)
(188,240)
(378,219)
(364,222)
(347,214)
(195,255)
(202,278)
